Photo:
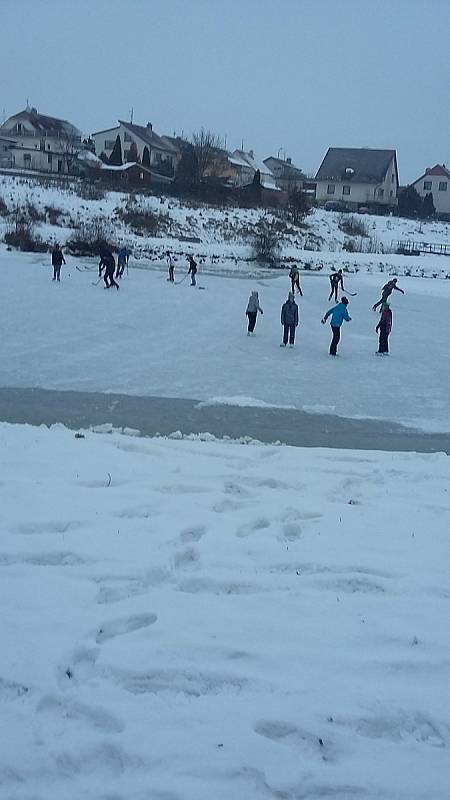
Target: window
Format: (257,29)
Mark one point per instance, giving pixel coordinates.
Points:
(109,144)
(49,158)
(392,178)
(442,186)
(346,190)
(127,137)
(126,155)
(27,158)
(427,186)
(391,193)
(330,188)
(380,192)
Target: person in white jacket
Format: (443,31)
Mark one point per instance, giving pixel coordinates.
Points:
(252,312)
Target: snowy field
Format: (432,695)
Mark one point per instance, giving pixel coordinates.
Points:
(185,620)
(153,338)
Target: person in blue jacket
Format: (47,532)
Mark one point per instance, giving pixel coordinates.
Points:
(338,314)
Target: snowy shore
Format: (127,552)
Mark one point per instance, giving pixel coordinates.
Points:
(189,620)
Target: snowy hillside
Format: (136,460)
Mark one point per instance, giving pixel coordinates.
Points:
(191,620)
(220,238)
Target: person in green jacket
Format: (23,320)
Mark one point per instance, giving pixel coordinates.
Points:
(295,279)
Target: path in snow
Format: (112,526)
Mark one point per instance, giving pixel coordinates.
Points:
(164,415)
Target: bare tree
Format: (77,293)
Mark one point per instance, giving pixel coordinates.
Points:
(70,146)
(206,146)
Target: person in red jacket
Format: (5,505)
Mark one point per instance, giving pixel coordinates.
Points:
(384,328)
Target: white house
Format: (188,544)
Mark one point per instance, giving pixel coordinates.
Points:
(358,177)
(43,143)
(245,165)
(437,181)
(287,176)
(139,143)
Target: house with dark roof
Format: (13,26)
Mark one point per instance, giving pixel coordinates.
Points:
(358,177)
(43,143)
(287,176)
(140,144)
(437,181)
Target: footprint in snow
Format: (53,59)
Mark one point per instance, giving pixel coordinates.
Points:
(119,627)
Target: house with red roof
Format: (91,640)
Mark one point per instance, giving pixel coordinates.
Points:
(437,181)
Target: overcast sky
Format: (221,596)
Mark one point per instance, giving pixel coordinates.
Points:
(285,76)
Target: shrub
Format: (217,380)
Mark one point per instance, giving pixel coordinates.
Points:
(266,244)
(21,234)
(33,214)
(88,190)
(143,222)
(89,238)
(54,215)
(352,226)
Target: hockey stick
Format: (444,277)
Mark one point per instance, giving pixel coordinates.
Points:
(96,283)
(182,279)
(352,294)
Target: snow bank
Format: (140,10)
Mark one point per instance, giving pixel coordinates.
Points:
(193,620)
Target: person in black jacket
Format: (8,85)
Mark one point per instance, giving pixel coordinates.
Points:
(386,292)
(108,264)
(192,271)
(57,260)
(289,320)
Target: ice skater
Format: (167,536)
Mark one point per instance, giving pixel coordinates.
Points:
(289,320)
(171,267)
(122,261)
(192,271)
(336,280)
(57,260)
(386,292)
(338,314)
(294,275)
(108,264)
(384,328)
(252,312)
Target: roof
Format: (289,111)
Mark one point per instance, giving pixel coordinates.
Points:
(149,137)
(241,158)
(360,165)
(7,139)
(287,167)
(438,170)
(51,126)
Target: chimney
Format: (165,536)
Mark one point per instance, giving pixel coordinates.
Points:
(149,127)
(289,161)
(428,169)
(251,153)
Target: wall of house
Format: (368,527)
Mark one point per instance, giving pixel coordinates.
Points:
(441,197)
(104,143)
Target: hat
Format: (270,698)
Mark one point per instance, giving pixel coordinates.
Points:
(344,300)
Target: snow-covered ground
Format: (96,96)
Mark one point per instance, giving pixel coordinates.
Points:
(153,338)
(223,235)
(186,620)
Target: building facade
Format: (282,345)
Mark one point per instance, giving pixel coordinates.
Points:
(42,143)
(138,143)
(436,180)
(357,177)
